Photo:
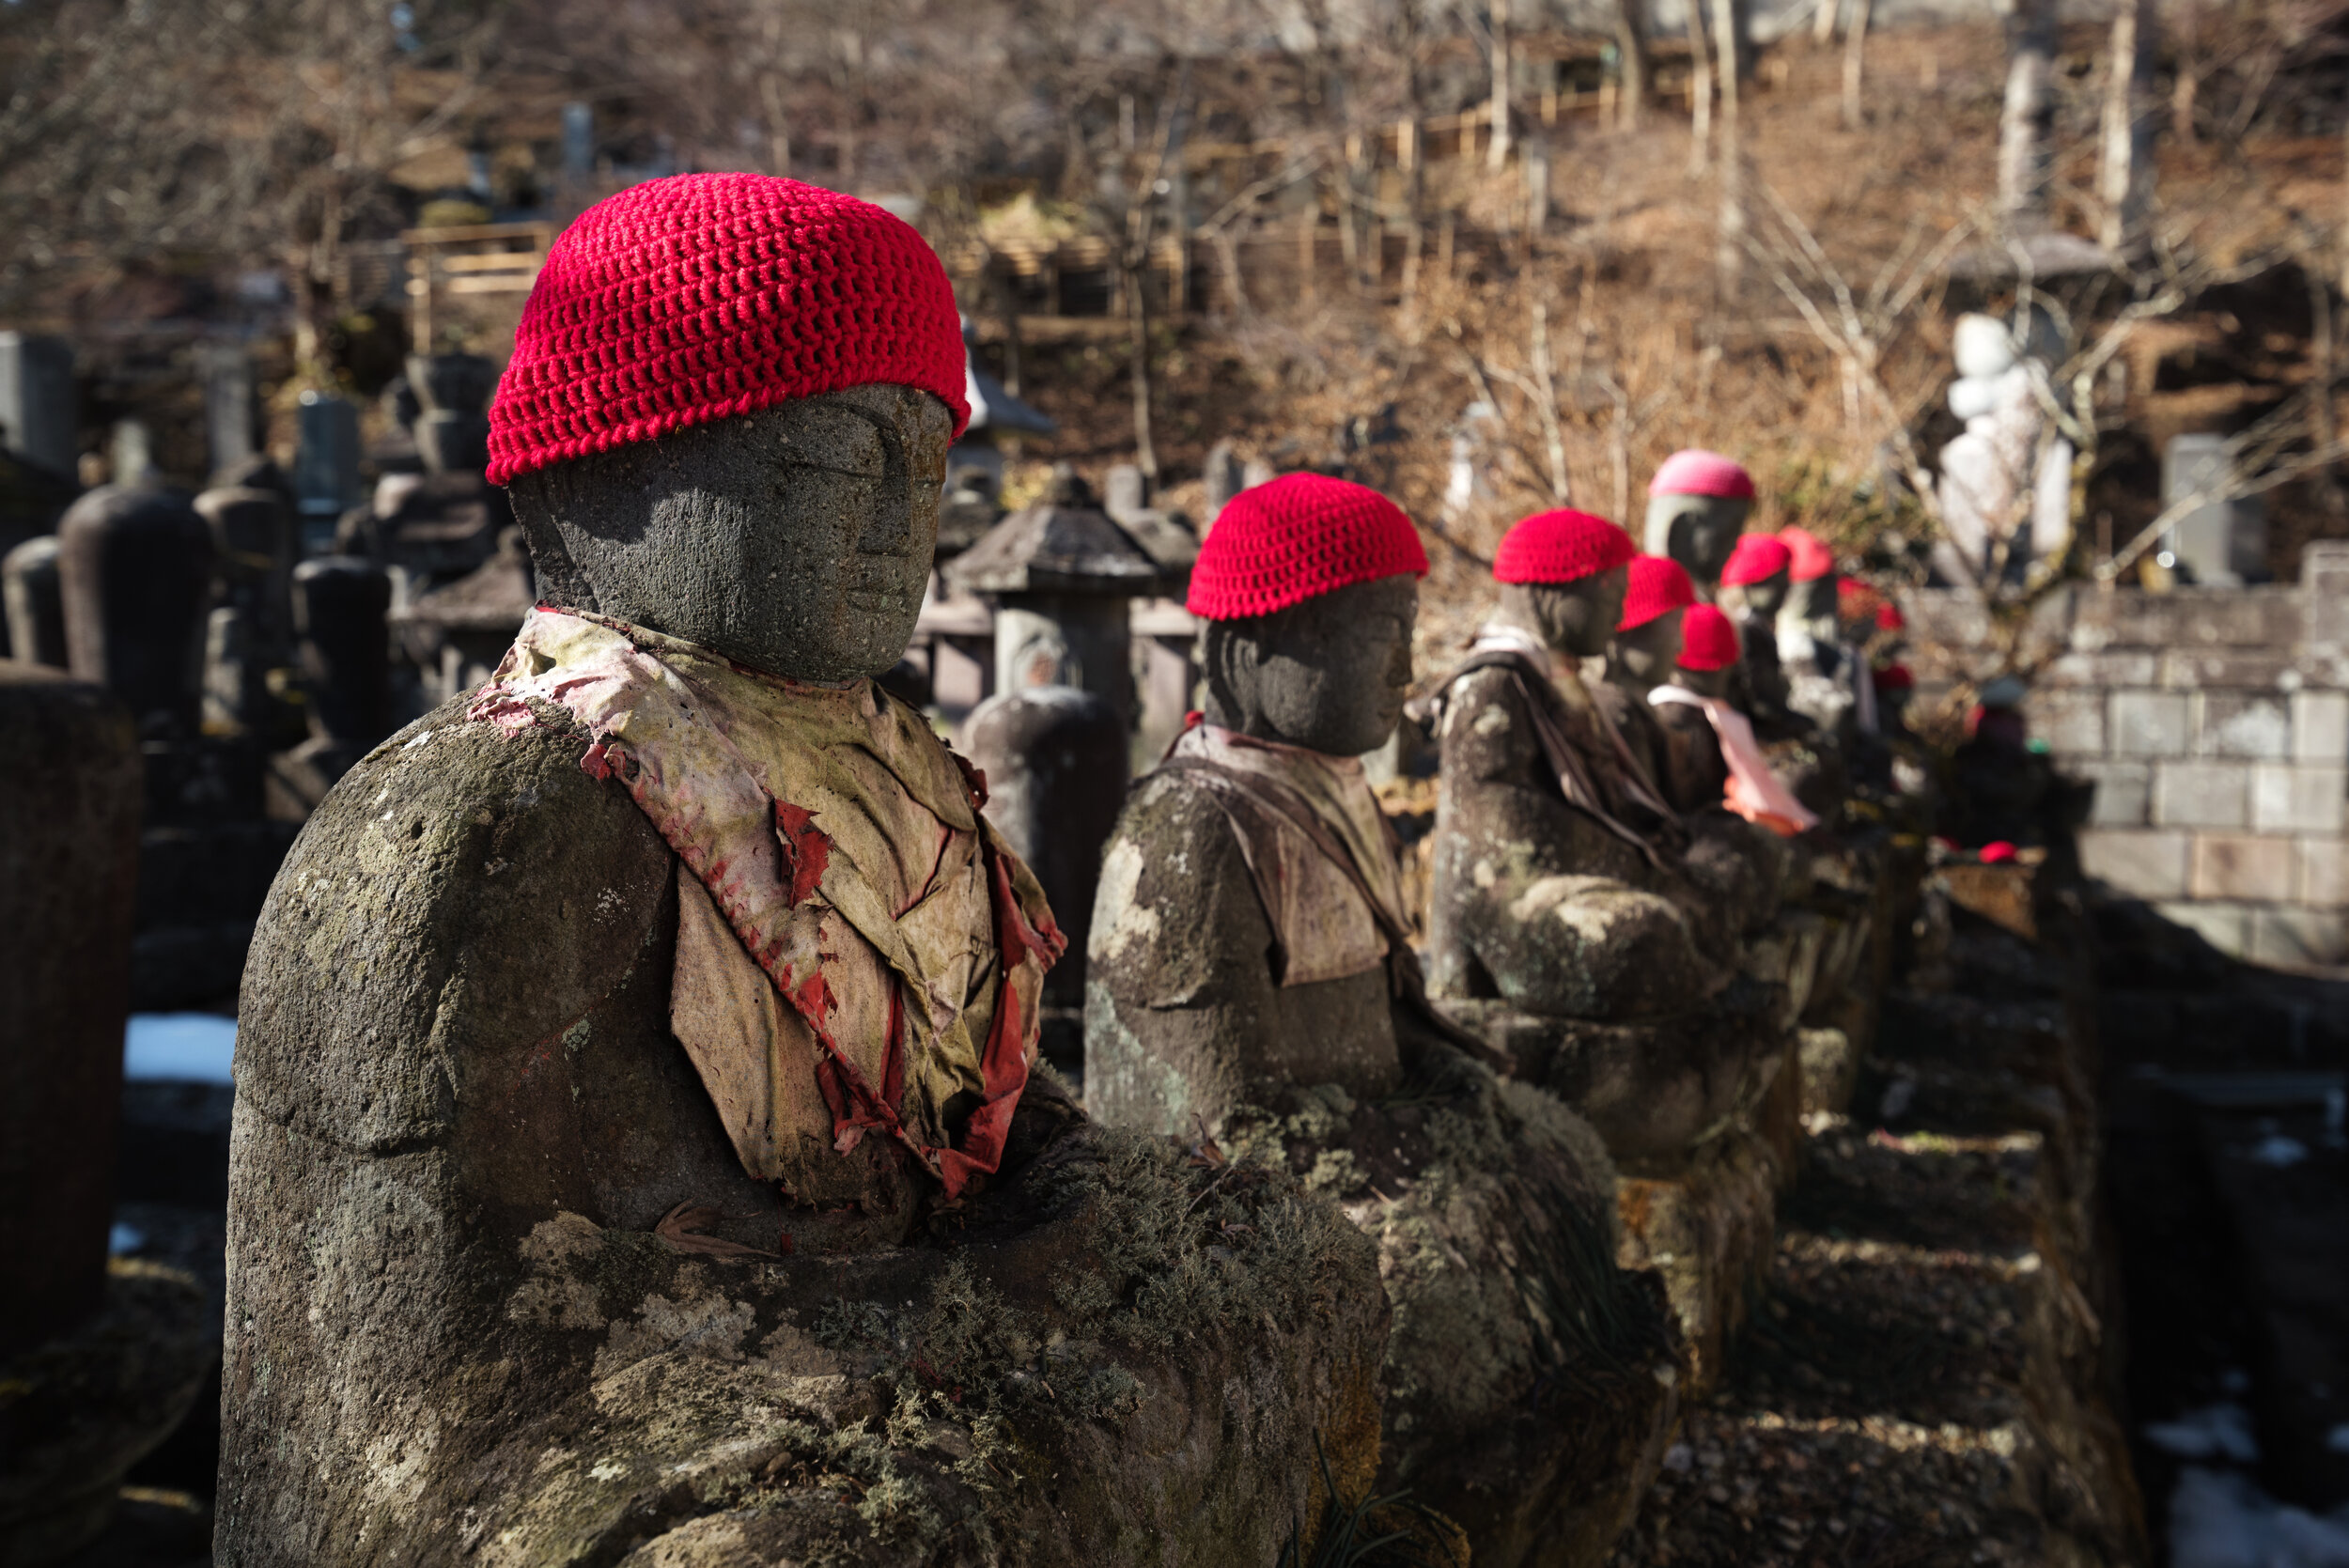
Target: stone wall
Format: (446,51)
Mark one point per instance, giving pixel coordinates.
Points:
(2214,723)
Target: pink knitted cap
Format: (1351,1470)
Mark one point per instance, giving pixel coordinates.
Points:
(1812,559)
(704,296)
(1659,585)
(1757,558)
(1562,546)
(1697,471)
(1708,639)
(1299,537)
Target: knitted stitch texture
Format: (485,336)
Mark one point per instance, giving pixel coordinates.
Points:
(1659,585)
(1301,536)
(1812,559)
(704,296)
(1757,558)
(1562,546)
(1697,471)
(1708,640)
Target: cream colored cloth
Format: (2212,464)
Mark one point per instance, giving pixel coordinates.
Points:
(1754,791)
(1326,932)
(834,843)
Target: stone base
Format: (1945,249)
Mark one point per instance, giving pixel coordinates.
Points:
(81,1410)
(1709,1233)
(1118,1356)
(1531,1384)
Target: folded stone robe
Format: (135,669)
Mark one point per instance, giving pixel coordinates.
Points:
(857,951)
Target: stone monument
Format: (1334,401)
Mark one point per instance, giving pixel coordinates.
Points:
(1696,507)
(1252,983)
(1642,654)
(642,1050)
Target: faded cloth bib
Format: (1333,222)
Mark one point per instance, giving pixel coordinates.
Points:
(856,949)
(1317,914)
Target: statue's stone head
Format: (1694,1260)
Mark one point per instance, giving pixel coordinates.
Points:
(726,420)
(1709,649)
(1564,576)
(1697,507)
(1755,581)
(1310,589)
(1814,580)
(1646,645)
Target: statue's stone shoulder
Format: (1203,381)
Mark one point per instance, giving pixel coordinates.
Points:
(1176,901)
(1487,733)
(461,888)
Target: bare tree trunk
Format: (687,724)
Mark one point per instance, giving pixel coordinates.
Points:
(1823,23)
(1007,298)
(2124,179)
(1700,91)
(2023,124)
(1729,258)
(1632,63)
(1497,151)
(1137,312)
(1855,66)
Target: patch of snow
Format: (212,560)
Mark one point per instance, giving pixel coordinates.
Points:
(2215,1432)
(185,1047)
(2221,1520)
(124,1239)
(2337,1439)
(2280,1151)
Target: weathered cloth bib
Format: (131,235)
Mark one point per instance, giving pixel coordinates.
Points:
(857,951)
(1755,791)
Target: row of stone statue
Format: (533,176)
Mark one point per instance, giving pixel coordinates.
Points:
(642,1154)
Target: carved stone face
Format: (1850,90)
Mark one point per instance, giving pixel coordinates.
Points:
(1644,655)
(796,540)
(1763,598)
(1698,531)
(1578,617)
(1705,683)
(1329,675)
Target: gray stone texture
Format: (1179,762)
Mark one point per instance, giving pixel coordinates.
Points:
(2071,723)
(2201,794)
(2320,727)
(2150,725)
(2299,938)
(2323,871)
(2298,797)
(2125,790)
(2241,865)
(2240,725)
(2140,864)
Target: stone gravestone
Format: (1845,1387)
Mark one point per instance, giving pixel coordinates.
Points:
(38,414)
(100,1360)
(326,465)
(34,605)
(228,403)
(134,573)
(340,603)
(2223,541)
(451,427)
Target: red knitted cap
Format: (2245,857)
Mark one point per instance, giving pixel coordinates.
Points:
(1561,547)
(1757,558)
(1296,538)
(1810,559)
(704,296)
(1708,639)
(1697,471)
(1659,585)
(1888,617)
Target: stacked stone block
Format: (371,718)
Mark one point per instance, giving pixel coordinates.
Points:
(2214,723)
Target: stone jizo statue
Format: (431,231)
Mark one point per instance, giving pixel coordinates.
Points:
(1251,978)
(638,1120)
(1695,705)
(1697,507)
(1755,586)
(1642,656)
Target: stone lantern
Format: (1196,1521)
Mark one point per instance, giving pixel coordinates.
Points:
(1063,576)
